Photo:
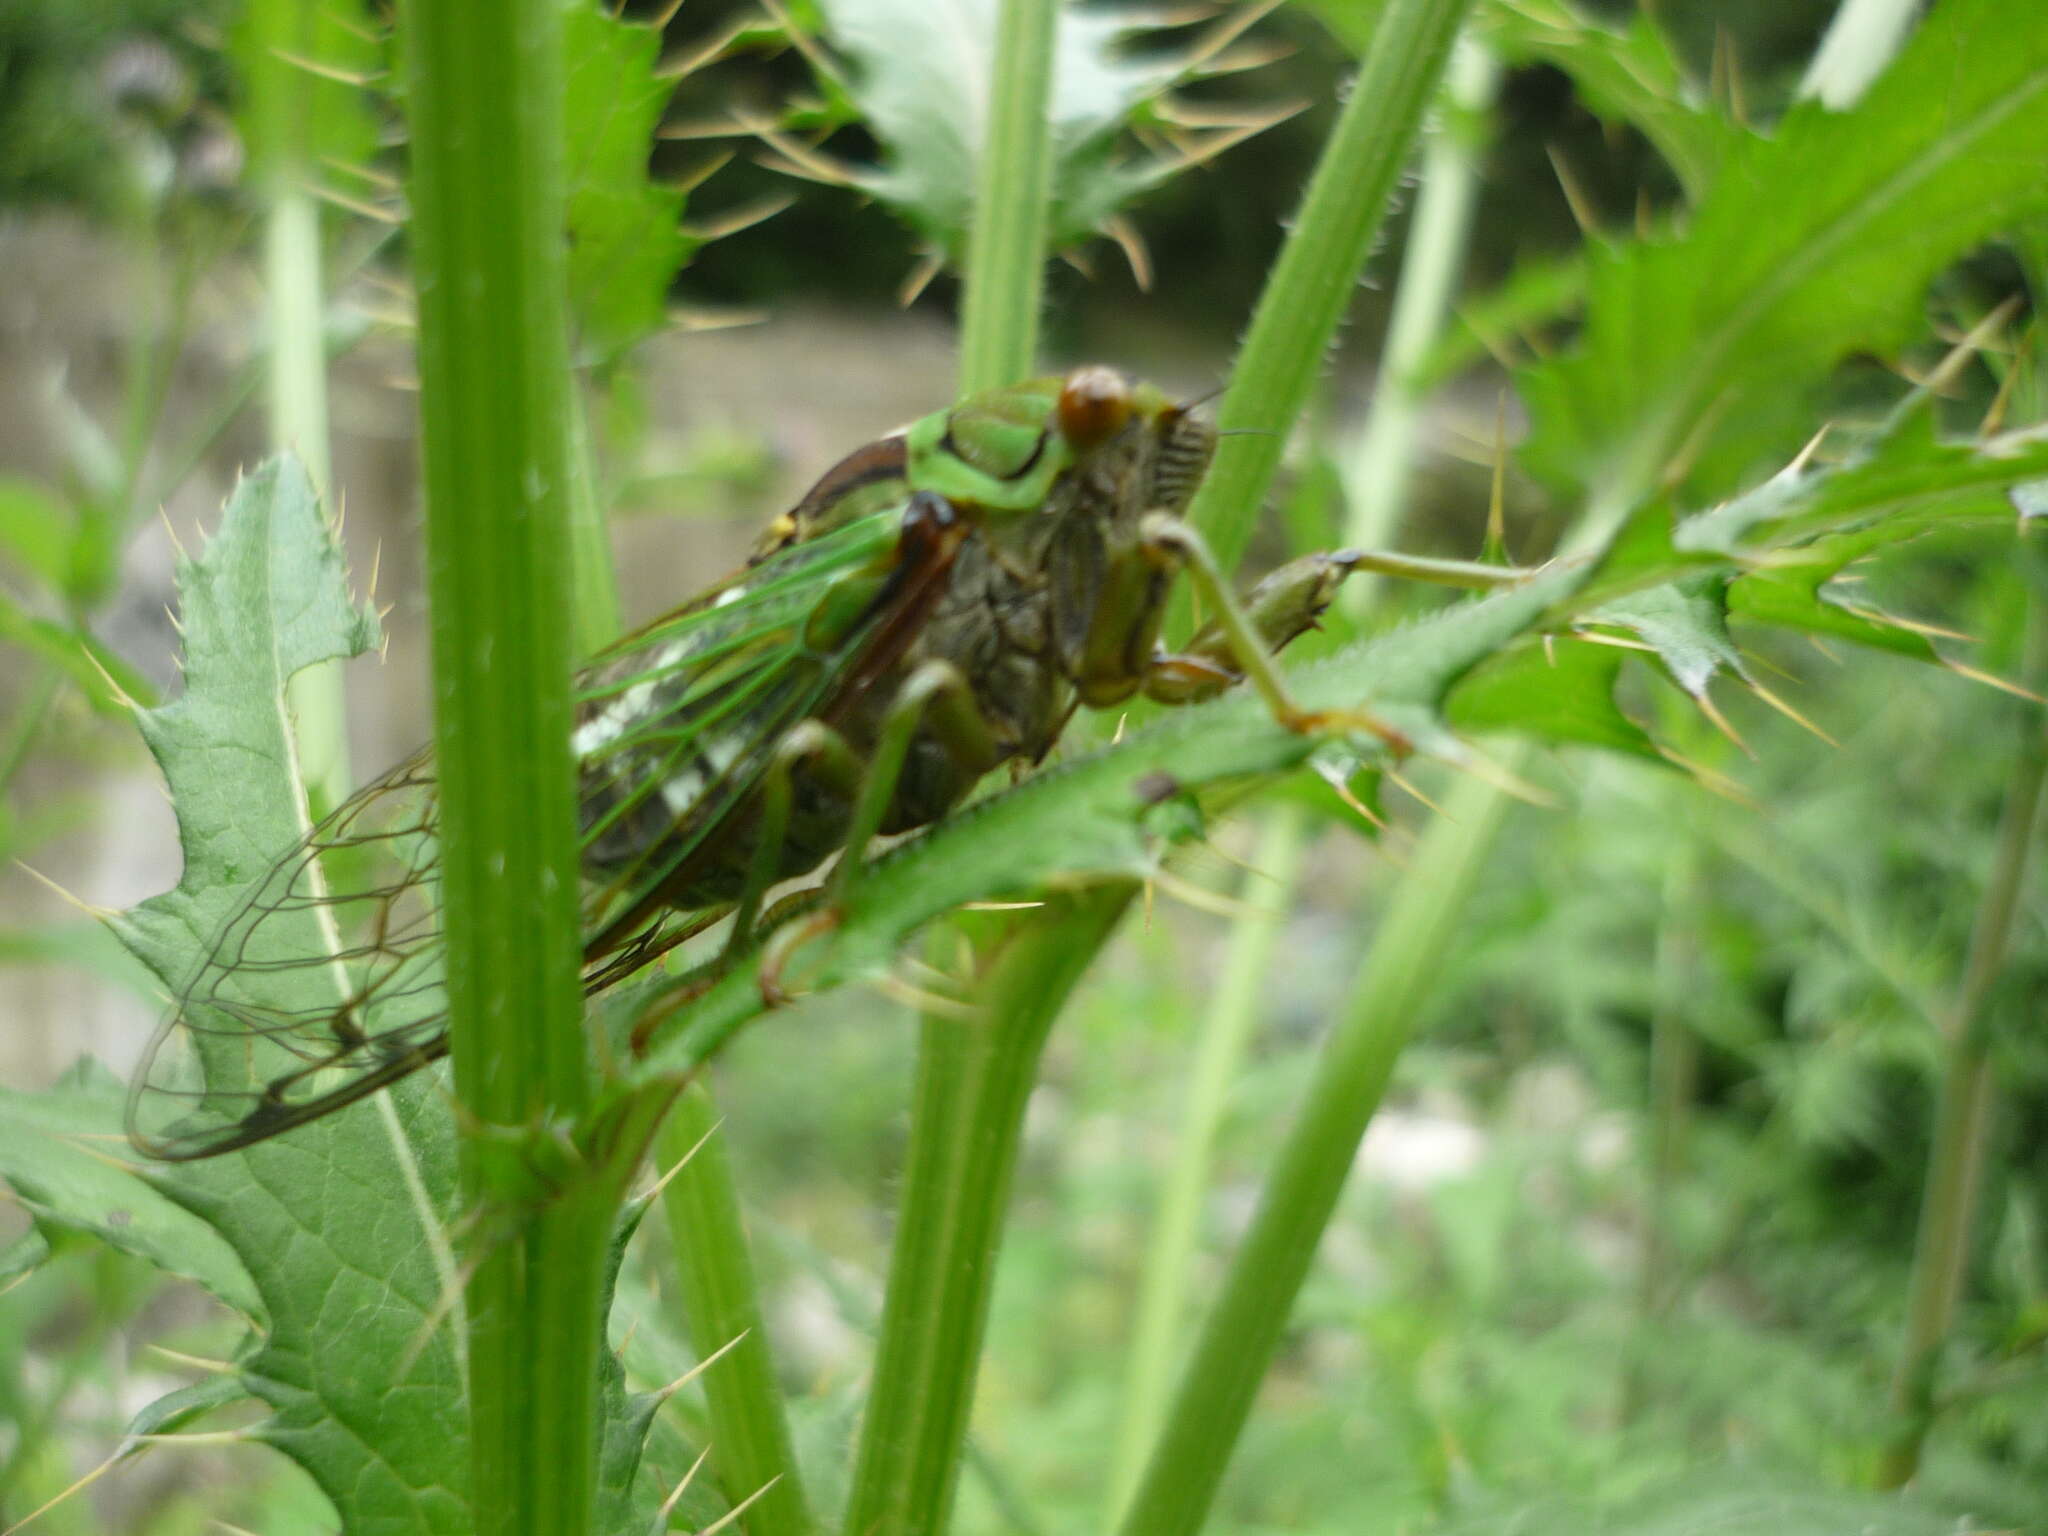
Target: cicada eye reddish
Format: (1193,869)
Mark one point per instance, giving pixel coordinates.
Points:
(1094,405)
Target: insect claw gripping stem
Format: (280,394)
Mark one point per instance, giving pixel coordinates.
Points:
(1241,640)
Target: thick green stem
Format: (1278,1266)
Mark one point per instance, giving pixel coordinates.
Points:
(484,91)
(1377,488)
(1245,1326)
(750,1443)
(1219,1057)
(974,1079)
(1006,237)
(1963,1115)
(1311,284)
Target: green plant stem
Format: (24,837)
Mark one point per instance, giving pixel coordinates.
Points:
(1312,282)
(1674,1060)
(973,1081)
(1377,492)
(293,119)
(1963,1114)
(1244,1328)
(1376,480)
(1219,1055)
(750,1442)
(1003,281)
(484,92)
(298,422)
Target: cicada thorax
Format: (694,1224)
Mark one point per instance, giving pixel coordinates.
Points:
(1057,602)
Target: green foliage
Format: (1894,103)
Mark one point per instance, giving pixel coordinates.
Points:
(69,1185)
(89,89)
(911,77)
(269,600)
(349,1283)
(1630,76)
(626,239)
(1729,1505)
(1701,349)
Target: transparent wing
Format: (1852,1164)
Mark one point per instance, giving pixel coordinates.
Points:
(327,981)
(323,984)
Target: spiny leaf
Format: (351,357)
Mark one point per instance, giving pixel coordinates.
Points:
(1630,76)
(267,598)
(1686,623)
(344,1226)
(917,77)
(626,239)
(1908,483)
(62,1155)
(1813,242)
(350,1280)
(1790,538)
(1560,691)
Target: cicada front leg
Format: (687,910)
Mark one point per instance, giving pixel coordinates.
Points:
(935,702)
(1238,644)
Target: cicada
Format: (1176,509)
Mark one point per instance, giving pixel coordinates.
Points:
(935,607)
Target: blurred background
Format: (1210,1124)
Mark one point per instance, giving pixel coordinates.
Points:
(1547,1279)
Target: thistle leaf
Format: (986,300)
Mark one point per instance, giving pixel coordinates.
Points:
(917,75)
(344,1229)
(626,238)
(1811,243)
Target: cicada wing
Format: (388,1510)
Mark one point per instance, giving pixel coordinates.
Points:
(327,981)
(322,985)
(679,726)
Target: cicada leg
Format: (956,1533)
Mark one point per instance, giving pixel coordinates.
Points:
(1287,604)
(836,765)
(936,696)
(1239,641)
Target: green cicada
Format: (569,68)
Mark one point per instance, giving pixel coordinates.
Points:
(935,607)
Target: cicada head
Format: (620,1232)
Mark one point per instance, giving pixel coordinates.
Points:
(1006,450)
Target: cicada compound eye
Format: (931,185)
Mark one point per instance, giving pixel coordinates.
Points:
(1095,403)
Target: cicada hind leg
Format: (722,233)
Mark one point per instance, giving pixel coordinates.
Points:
(323,983)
